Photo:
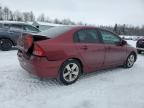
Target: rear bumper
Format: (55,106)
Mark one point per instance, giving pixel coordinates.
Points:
(40,66)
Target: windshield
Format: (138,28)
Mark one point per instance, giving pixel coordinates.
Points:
(55,31)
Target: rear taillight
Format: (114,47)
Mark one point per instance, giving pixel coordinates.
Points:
(25,42)
(38,51)
(28,41)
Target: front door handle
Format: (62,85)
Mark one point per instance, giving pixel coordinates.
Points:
(108,48)
(84,47)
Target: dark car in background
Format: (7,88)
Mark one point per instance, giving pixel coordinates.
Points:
(140,45)
(10,32)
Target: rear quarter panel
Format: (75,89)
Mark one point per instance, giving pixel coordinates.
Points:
(61,49)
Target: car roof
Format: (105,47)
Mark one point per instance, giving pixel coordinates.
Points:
(88,27)
(77,26)
(84,27)
(14,22)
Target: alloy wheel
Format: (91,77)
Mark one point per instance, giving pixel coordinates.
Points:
(71,72)
(131,60)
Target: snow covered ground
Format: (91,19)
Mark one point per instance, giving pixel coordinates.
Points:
(112,88)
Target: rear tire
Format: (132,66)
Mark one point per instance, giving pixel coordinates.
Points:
(130,61)
(69,72)
(5,44)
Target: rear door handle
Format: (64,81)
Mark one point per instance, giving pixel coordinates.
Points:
(108,48)
(84,47)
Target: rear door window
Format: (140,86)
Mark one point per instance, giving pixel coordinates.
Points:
(16,27)
(28,28)
(86,36)
(6,25)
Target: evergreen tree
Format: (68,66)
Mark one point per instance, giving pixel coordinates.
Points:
(116,28)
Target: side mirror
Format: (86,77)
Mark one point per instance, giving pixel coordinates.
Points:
(123,42)
(37,27)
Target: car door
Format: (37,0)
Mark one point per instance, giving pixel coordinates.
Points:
(91,50)
(115,51)
(15,30)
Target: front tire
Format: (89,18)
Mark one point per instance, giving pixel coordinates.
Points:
(69,72)
(5,44)
(130,61)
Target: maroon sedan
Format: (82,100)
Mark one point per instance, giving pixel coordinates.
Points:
(66,52)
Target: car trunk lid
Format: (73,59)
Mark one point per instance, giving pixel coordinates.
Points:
(27,45)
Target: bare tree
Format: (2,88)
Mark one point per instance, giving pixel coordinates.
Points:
(67,22)
(48,19)
(6,13)
(31,16)
(57,21)
(25,16)
(17,16)
(1,13)
(41,18)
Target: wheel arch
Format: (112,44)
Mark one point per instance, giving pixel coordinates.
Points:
(135,54)
(77,59)
(13,43)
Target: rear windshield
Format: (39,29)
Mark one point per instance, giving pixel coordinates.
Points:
(55,31)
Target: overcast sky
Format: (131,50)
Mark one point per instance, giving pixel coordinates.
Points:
(106,12)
